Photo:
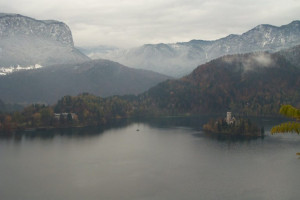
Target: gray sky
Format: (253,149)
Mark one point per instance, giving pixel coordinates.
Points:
(129,23)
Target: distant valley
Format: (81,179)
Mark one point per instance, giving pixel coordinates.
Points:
(39,64)
(253,83)
(181,58)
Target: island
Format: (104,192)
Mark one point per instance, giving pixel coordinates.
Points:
(231,126)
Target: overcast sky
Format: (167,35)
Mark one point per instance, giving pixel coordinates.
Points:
(129,23)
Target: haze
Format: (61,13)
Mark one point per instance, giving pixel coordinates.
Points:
(129,23)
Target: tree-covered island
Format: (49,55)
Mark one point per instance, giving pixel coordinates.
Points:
(231,126)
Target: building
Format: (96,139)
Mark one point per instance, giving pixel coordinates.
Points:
(64,115)
(229,119)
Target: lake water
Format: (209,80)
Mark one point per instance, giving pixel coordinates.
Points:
(170,158)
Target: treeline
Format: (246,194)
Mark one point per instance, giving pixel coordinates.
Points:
(95,110)
(87,109)
(32,116)
(81,110)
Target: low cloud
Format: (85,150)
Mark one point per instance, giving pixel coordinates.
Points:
(263,59)
(258,60)
(251,61)
(129,23)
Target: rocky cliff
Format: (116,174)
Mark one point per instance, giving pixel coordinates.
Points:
(26,41)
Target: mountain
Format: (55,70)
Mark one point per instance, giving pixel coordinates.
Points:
(25,41)
(181,58)
(248,84)
(253,83)
(99,77)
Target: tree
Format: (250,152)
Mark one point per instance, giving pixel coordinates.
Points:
(36,119)
(69,118)
(288,127)
(46,115)
(7,125)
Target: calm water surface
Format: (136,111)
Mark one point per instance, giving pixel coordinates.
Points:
(166,159)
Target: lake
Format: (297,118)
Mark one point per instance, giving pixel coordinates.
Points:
(157,159)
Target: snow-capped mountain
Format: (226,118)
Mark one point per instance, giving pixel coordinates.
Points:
(26,41)
(181,58)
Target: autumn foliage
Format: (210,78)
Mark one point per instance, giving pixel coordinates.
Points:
(288,127)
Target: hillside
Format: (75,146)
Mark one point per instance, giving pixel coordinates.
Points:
(181,58)
(247,84)
(25,41)
(254,83)
(251,84)
(99,77)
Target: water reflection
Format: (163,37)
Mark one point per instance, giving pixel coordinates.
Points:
(191,122)
(195,122)
(169,158)
(229,138)
(76,132)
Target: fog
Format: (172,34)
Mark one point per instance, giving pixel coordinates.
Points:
(127,23)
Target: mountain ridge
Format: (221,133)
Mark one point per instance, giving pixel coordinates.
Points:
(98,77)
(249,84)
(11,24)
(178,59)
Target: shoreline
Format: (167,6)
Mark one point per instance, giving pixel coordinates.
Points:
(135,118)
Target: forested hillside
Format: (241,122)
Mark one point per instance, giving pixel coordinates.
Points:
(248,84)
(255,84)
(99,77)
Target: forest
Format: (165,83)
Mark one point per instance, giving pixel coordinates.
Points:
(82,110)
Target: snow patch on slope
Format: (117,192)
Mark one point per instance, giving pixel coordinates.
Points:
(8,70)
